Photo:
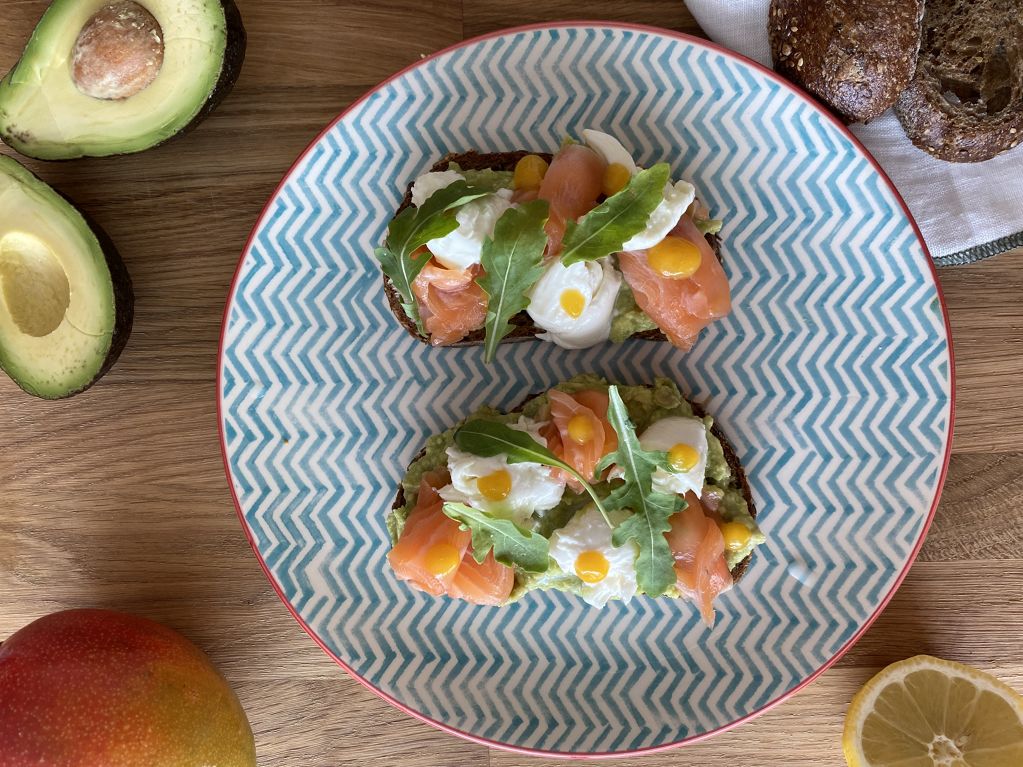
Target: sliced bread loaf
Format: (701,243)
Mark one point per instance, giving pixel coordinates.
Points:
(965,103)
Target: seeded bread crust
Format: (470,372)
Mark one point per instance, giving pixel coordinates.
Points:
(856,56)
(965,103)
(730,458)
(523,328)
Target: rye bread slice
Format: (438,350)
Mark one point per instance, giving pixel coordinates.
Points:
(730,458)
(965,103)
(523,328)
(856,56)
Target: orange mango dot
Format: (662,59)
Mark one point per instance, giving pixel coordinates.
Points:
(616,178)
(573,302)
(496,486)
(675,257)
(591,566)
(736,535)
(683,457)
(441,559)
(580,429)
(529,172)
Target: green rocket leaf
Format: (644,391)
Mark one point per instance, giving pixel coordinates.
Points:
(512,263)
(413,228)
(606,228)
(511,544)
(655,572)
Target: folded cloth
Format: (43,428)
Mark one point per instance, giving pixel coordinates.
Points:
(966,211)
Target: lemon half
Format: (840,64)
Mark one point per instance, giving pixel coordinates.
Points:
(928,712)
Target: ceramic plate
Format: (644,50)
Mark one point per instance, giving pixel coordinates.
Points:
(832,376)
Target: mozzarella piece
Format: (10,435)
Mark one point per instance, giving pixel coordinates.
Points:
(461,248)
(476,221)
(587,531)
(610,149)
(533,488)
(424,186)
(665,434)
(665,217)
(597,281)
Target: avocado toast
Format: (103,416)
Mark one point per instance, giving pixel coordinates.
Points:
(576,248)
(599,490)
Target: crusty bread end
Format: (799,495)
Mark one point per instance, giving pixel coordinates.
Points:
(965,103)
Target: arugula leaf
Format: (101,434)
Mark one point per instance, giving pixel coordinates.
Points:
(413,228)
(512,263)
(511,544)
(487,439)
(606,228)
(655,572)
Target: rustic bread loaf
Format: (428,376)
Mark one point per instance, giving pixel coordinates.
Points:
(856,56)
(965,103)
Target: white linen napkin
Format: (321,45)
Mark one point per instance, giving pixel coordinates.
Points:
(966,211)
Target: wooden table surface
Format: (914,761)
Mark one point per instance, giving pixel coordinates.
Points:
(117,497)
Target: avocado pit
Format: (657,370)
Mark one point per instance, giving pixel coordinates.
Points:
(35,289)
(118,53)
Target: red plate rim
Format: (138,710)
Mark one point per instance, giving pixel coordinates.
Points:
(683,37)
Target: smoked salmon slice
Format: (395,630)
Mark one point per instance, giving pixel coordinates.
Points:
(699,550)
(682,308)
(430,535)
(451,304)
(571,187)
(580,434)
(489,583)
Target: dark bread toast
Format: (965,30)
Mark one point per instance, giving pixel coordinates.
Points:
(523,327)
(965,103)
(856,56)
(730,458)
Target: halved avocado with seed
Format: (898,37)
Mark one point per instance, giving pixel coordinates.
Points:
(65,297)
(100,78)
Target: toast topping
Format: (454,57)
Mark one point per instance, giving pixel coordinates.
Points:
(530,248)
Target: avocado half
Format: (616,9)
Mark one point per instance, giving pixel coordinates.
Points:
(66,301)
(46,113)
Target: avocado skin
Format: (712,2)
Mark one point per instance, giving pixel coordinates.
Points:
(124,302)
(234,56)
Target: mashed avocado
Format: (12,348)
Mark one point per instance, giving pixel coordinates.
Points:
(708,225)
(646,404)
(491,180)
(628,318)
(554,578)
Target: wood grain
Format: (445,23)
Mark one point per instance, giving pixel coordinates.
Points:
(117,498)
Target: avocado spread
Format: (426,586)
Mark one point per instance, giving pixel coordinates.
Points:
(491,180)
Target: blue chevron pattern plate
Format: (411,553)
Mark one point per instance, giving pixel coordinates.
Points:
(832,377)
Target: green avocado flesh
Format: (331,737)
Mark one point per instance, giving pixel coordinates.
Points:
(58,311)
(44,114)
(646,404)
